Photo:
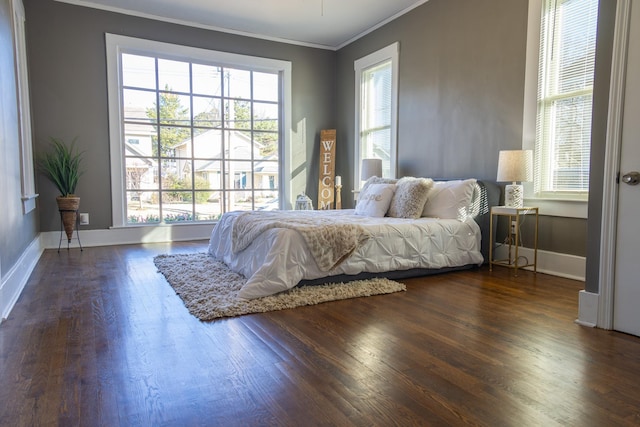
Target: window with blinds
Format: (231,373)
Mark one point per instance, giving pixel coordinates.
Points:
(376,114)
(565,92)
(376,109)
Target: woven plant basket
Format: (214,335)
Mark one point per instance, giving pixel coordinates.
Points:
(68,207)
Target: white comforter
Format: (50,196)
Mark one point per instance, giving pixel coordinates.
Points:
(277,260)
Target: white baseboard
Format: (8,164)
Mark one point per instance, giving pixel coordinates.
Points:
(587,309)
(129,235)
(14,281)
(553,263)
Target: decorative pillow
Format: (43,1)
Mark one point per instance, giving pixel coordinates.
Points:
(376,180)
(375,200)
(450,199)
(411,195)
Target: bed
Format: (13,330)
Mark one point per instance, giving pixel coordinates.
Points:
(439,230)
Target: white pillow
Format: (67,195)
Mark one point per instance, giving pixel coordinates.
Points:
(450,199)
(375,200)
(411,195)
(376,180)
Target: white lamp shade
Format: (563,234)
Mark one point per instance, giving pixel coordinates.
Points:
(515,165)
(370,167)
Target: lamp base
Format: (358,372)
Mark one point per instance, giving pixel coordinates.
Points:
(513,196)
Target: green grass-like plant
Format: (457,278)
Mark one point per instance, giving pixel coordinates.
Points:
(62,166)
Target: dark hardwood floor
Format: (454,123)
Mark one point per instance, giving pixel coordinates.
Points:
(98,338)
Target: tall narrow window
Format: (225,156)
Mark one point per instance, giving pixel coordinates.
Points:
(565,92)
(376,109)
(198,136)
(24,109)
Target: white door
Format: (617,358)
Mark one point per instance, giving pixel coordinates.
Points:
(626,309)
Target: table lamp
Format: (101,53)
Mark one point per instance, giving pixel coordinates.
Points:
(370,167)
(514,166)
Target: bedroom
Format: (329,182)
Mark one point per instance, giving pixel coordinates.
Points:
(466,86)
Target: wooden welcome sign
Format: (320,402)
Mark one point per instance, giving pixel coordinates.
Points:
(327,168)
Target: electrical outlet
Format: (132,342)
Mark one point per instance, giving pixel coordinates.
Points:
(513,227)
(84,219)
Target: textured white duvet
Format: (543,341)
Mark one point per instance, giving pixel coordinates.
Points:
(277,260)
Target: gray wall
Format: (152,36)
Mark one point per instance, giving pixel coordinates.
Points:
(68,74)
(462,68)
(460,85)
(17,230)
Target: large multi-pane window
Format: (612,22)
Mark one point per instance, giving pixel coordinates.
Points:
(376,109)
(198,138)
(565,92)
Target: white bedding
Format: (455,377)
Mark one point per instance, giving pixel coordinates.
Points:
(277,260)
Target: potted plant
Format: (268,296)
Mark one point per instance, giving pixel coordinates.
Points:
(62,166)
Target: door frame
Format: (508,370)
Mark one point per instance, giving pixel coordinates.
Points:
(613,145)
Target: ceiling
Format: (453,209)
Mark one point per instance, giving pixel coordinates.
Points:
(328,24)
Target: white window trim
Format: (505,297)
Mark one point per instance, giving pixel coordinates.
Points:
(115,44)
(27,175)
(551,207)
(390,52)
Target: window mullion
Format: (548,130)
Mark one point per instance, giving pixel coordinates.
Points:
(158,142)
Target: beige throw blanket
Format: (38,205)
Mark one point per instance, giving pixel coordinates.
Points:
(330,240)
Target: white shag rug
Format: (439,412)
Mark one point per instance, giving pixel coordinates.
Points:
(209,288)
